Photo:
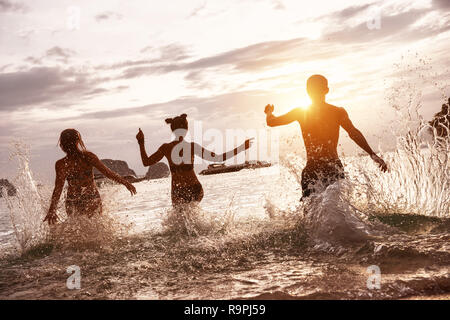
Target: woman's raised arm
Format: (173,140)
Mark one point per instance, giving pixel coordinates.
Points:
(95,161)
(146,160)
(213,157)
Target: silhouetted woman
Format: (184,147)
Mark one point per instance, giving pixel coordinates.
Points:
(180,154)
(77,168)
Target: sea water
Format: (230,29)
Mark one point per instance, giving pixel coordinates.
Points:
(251,236)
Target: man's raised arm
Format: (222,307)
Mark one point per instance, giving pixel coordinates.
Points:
(287,118)
(359,139)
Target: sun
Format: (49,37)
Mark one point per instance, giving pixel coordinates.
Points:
(302,103)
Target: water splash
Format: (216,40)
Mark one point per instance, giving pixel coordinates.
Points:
(30,205)
(419,177)
(82,233)
(193,221)
(418,182)
(27,208)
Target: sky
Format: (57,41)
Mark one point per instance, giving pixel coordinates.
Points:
(109,67)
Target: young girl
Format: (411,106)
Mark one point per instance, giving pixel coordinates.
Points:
(77,168)
(180,154)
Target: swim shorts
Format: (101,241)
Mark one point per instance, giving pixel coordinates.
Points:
(319,174)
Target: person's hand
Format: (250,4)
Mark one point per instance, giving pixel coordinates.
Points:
(140,136)
(130,187)
(380,162)
(248,143)
(51,217)
(269,109)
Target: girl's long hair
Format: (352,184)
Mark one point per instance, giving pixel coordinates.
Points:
(71,143)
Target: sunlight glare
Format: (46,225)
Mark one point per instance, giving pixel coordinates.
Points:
(303,103)
(312,31)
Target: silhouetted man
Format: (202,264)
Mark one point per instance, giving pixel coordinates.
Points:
(320,125)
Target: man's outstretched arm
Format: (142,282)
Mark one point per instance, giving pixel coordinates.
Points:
(287,118)
(360,140)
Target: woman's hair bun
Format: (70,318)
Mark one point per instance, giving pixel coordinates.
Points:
(169,120)
(184,115)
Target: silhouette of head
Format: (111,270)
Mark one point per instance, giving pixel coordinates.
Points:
(70,142)
(317,87)
(178,124)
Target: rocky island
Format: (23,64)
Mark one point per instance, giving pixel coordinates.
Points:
(156,171)
(10,189)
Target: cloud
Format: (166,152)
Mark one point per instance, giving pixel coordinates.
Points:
(389,26)
(396,28)
(250,57)
(341,40)
(26,33)
(53,87)
(6,131)
(8,6)
(55,53)
(352,11)
(261,55)
(33,60)
(147,49)
(4,67)
(341,16)
(197,10)
(215,108)
(278,5)
(253,58)
(173,52)
(441,4)
(165,54)
(108,15)
(60,53)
